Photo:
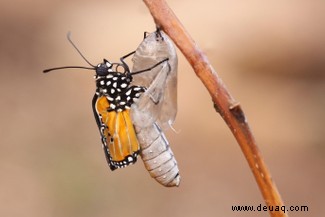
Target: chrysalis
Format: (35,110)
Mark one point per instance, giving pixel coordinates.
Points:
(157,106)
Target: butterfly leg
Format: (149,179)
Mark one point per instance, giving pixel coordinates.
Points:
(124,63)
(150,68)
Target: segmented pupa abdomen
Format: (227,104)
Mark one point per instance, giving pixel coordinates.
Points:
(157,156)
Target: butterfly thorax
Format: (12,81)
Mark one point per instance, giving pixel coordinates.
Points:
(117,88)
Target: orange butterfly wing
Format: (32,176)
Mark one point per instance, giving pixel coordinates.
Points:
(117,133)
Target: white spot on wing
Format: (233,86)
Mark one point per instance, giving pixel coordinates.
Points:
(112,106)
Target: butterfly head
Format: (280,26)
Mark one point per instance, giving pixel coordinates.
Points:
(104,68)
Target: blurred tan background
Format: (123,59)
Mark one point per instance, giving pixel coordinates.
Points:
(270,54)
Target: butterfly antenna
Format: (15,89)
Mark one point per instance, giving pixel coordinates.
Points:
(67,67)
(71,42)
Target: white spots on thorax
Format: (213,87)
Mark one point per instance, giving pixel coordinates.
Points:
(109,98)
(128,92)
(124,85)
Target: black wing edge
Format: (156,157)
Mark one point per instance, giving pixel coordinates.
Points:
(99,124)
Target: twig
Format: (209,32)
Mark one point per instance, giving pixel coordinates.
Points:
(229,109)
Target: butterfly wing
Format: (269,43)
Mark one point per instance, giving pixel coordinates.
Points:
(118,136)
(159,102)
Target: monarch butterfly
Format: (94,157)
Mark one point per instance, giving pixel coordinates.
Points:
(115,94)
(156,106)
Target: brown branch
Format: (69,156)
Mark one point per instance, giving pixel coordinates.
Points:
(229,109)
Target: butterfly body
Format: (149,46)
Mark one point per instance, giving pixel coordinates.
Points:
(112,101)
